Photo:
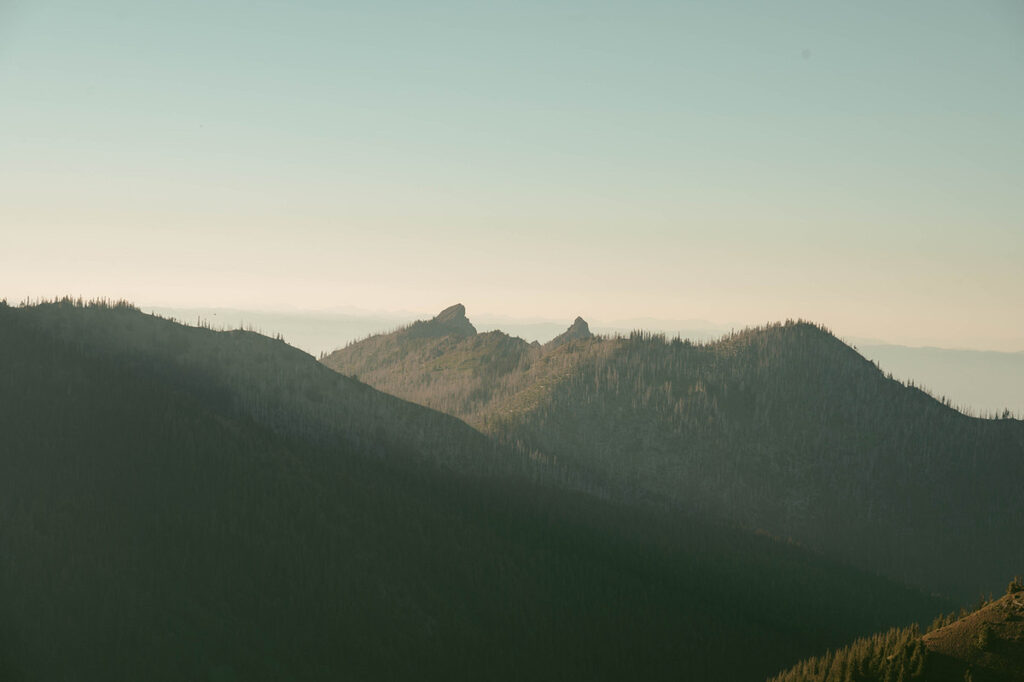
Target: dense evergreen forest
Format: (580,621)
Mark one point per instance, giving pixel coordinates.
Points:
(782,428)
(178,503)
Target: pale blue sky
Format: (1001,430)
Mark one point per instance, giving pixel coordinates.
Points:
(856,163)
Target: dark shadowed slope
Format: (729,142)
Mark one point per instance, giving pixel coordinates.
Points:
(986,645)
(264,379)
(783,428)
(163,516)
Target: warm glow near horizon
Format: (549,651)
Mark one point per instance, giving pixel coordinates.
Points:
(859,166)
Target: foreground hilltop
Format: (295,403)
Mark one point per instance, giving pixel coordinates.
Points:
(782,428)
(178,503)
(986,645)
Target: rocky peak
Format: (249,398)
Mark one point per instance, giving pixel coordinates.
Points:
(455,314)
(451,321)
(579,330)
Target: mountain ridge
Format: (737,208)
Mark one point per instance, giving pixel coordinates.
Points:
(782,428)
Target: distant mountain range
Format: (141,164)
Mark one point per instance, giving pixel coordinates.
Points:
(977,382)
(981,382)
(180,503)
(782,428)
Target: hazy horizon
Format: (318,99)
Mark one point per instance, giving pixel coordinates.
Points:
(855,165)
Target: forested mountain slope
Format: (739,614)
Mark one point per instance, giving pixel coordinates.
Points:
(782,428)
(986,645)
(165,515)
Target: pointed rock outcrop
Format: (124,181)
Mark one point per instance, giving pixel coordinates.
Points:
(451,321)
(579,330)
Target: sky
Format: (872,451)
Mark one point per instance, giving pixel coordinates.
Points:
(859,164)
